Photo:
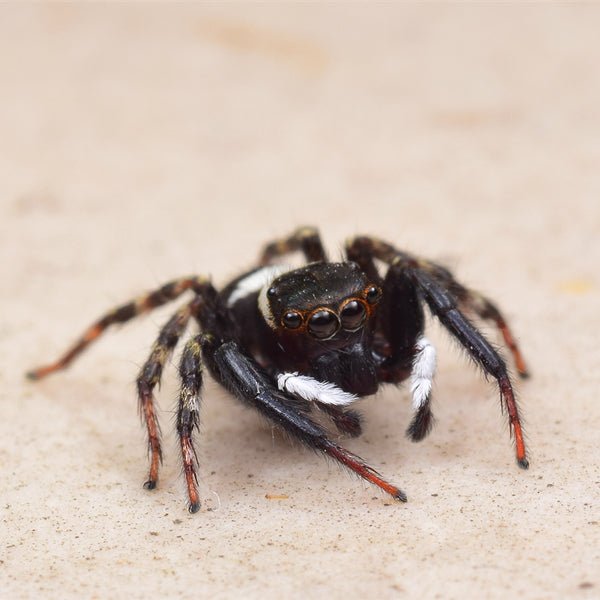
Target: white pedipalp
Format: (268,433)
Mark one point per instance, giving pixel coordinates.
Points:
(423,370)
(314,390)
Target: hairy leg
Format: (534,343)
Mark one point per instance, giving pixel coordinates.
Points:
(188,416)
(149,378)
(364,249)
(244,378)
(121,314)
(305,239)
(435,285)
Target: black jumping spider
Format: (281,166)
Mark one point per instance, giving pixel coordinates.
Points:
(285,340)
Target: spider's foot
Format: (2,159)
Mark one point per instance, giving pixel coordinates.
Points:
(524,374)
(363,470)
(150,484)
(523,463)
(400,495)
(38,373)
(194,507)
(44,370)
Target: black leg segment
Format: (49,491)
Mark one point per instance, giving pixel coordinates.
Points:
(244,378)
(436,285)
(443,305)
(305,239)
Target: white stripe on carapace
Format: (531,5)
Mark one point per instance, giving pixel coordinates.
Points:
(423,370)
(263,301)
(255,281)
(314,390)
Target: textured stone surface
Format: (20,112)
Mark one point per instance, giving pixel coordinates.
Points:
(139,143)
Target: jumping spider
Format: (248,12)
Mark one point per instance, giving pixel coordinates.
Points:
(286,340)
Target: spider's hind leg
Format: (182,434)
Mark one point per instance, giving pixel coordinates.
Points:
(305,239)
(121,314)
(487,310)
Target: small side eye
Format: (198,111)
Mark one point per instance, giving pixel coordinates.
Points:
(353,315)
(292,319)
(272,292)
(323,324)
(373,294)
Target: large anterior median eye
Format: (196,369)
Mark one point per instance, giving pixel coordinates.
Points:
(353,315)
(323,324)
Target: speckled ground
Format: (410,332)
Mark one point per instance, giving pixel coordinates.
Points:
(139,143)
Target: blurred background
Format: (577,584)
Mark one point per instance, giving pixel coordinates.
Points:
(141,142)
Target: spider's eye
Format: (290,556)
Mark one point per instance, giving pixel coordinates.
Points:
(323,324)
(353,314)
(272,292)
(373,294)
(292,319)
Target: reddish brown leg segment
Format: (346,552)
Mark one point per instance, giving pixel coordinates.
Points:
(363,249)
(513,415)
(510,341)
(360,468)
(126,312)
(150,376)
(444,295)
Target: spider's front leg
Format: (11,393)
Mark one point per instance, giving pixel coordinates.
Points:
(363,249)
(443,305)
(435,285)
(305,239)
(475,303)
(246,380)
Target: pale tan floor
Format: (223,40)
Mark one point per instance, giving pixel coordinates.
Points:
(142,143)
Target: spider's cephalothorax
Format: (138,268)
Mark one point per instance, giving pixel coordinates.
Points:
(286,340)
(317,319)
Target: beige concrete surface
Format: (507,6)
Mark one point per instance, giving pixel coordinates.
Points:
(143,142)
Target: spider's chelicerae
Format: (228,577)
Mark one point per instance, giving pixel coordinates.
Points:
(288,340)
